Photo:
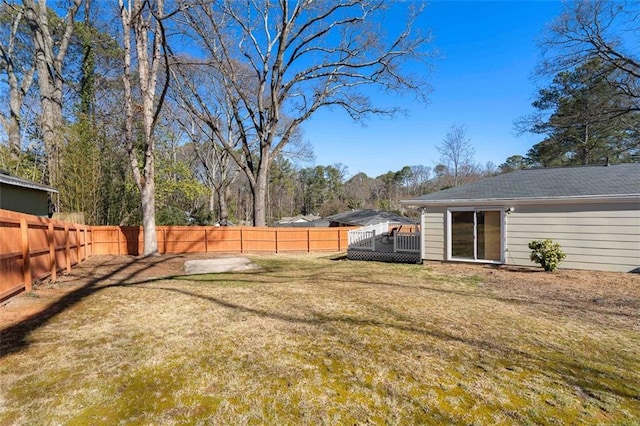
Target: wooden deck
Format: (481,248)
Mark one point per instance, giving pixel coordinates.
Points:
(382,248)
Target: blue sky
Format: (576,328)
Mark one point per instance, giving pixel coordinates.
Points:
(482,80)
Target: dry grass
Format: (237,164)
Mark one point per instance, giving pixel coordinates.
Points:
(313,340)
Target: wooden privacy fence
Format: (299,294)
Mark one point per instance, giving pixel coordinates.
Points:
(126,240)
(32,248)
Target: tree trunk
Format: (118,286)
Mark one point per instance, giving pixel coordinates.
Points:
(224,207)
(148,203)
(17,89)
(143,21)
(260,188)
(212,200)
(13,127)
(49,64)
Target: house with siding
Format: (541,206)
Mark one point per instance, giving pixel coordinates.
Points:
(366,217)
(24,196)
(592,211)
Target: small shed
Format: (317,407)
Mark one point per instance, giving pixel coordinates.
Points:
(24,196)
(592,211)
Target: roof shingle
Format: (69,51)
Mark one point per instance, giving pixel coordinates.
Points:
(620,179)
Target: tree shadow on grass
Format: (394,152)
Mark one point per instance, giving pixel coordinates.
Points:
(14,337)
(581,375)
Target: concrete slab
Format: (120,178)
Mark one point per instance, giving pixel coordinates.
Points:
(226,264)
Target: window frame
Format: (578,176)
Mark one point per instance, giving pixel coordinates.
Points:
(503,226)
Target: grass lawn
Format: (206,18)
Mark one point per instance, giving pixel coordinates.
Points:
(319,340)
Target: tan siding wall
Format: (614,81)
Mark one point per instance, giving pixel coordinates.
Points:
(433,225)
(596,237)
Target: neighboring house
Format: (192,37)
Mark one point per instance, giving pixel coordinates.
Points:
(368,217)
(381,236)
(300,221)
(592,211)
(24,196)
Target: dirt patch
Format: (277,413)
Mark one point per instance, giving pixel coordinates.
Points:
(569,284)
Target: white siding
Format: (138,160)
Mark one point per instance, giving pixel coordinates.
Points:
(596,237)
(433,234)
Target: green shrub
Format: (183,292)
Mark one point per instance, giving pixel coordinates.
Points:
(547,253)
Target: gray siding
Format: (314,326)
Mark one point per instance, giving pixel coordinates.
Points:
(24,200)
(433,234)
(594,237)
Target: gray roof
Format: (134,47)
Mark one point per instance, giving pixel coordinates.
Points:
(320,223)
(368,217)
(584,182)
(7,179)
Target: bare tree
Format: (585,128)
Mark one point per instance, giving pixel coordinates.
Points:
(143,21)
(19,71)
(208,122)
(50,53)
(214,167)
(280,62)
(419,179)
(456,152)
(589,29)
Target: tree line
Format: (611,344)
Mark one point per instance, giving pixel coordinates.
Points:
(191,111)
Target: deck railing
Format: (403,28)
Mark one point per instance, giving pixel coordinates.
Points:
(406,242)
(365,238)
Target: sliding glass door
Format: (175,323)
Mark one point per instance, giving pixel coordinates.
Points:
(476,235)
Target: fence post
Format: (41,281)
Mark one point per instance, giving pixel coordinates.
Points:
(84,231)
(26,254)
(53,266)
(276,240)
(374,240)
(67,248)
(308,240)
(118,230)
(164,236)
(78,244)
(241,241)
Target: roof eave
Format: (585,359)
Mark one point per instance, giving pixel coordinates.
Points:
(579,199)
(22,183)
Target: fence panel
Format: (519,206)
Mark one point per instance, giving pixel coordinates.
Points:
(10,257)
(292,239)
(328,239)
(39,249)
(259,240)
(224,240)
(32,248)
(131,240)
(105,239)
(201,239)
(183,240)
